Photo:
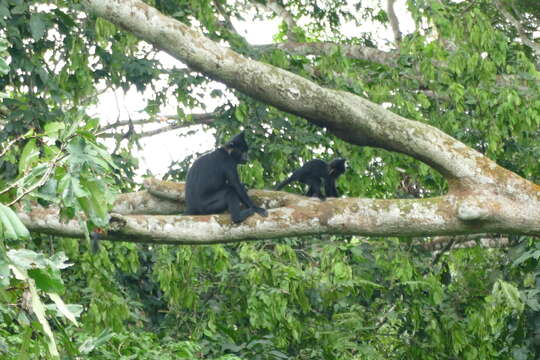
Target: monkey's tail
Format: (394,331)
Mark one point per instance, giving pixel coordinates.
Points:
(283,183)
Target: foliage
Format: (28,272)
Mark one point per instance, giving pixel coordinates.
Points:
(320,297)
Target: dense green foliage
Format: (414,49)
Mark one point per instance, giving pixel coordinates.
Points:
(311,298)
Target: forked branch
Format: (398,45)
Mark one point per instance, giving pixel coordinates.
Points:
(483,197)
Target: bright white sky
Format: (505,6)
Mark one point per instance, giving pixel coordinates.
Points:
(159,151)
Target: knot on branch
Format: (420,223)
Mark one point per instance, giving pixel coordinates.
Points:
(469,211)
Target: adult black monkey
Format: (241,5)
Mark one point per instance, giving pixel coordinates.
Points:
(213,184)
(314,172)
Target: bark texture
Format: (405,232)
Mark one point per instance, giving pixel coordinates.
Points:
(289,215)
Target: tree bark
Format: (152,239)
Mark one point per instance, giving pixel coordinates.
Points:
(289,215)
(483,197)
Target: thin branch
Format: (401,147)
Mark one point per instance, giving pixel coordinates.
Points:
(146,133)
(227,23)
(326,48)
(10,144)
(287,17)
(446,248)
(121,123)
(515,22)
(196,119)
(394,22)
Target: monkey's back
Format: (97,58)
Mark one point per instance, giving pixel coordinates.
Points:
(315,168)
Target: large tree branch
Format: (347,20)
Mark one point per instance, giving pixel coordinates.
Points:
(289,215)
(483,197)
(350,117)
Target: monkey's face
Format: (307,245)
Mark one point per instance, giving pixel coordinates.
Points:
(238,148)
(338,166)
(241,157)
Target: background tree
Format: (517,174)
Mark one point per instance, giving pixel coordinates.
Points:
(468,69)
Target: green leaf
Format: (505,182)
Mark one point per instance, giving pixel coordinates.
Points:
(48,191)
(12,222)
(20,8)
(95,205)
(509,294)
(4,12)
(74,309)
(4,271)
(70,189)
(53,128)
(90,344)
(526,256)
(47,280)
(532,298)
(29,156)
(28,259)
(65,310)
(367,282)
(38,309)
(37,26)
(239,114)
(4,67)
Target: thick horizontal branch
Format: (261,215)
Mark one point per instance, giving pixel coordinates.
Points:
(289,215)
(308,216)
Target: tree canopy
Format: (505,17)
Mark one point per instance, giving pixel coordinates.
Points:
(429,254)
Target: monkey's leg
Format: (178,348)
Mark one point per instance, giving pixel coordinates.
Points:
(233,205)
(315,188)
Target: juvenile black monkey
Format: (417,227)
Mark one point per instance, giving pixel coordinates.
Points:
(213,184)
(314,172)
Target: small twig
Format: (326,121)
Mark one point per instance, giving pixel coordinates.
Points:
(385,317)
(228,23)
(446,247)
(10,144)
(14,184)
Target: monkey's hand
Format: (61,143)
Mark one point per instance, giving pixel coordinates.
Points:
(261,211)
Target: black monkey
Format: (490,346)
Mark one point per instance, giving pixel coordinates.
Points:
(314,172)
(213,184)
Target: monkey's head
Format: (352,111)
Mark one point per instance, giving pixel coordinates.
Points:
(337,166)
(237,148)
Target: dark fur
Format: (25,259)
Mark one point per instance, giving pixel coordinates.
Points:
(213,184)
(314,173)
